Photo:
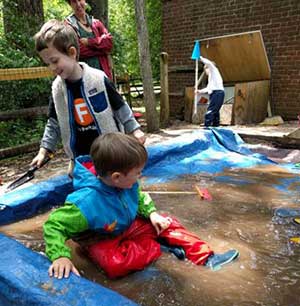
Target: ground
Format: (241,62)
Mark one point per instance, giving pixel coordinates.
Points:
(240,216)
(261,137)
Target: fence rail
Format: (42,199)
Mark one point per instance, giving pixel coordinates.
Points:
(25,73)
(30,112)
(129,88)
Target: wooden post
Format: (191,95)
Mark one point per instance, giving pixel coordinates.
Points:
(164,91)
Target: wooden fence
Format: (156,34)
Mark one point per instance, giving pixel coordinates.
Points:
(127,87)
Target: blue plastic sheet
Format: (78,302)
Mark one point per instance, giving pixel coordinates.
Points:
(24,281)
(204,151)
(287,212)
(23,276)
(24,203)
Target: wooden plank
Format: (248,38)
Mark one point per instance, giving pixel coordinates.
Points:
(188,107)
(21,149)
(164,96)
(188,103)
(181,68)
(294,134)
(171,192)
(225,112)
(31,112)
(278,141)
(240,57)
(251,102)
(176,94)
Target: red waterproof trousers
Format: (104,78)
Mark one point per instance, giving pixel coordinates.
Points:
(137,247)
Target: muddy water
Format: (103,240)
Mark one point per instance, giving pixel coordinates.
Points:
(239,216)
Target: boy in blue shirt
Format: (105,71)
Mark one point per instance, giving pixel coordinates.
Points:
(109,205)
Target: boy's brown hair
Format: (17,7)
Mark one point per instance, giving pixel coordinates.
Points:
(58,34)
(117,152)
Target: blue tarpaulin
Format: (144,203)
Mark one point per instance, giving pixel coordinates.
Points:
(24,281)
(23,273)
(207,151)
(24,203)
(204,151)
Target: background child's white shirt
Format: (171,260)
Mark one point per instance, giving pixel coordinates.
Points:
(215,81)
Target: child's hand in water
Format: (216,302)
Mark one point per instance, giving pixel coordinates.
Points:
(159,222)
(62,267)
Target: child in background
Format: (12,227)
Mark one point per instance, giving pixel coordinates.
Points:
(85,102)
(215,90)
(108,204)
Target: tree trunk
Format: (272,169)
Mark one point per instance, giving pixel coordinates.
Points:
(100,10)
(164,91)
(22,19)
(152,117)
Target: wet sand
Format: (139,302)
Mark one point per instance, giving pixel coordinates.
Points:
(239,216)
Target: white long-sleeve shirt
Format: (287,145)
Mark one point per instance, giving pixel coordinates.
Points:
(215,81)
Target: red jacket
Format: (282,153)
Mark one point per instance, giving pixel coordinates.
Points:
(99,47)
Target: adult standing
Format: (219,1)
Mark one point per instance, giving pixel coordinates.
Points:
(95,41)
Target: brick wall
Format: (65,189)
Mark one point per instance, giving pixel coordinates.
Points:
(184,21)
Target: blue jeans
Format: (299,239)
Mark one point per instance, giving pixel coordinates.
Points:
(212,116)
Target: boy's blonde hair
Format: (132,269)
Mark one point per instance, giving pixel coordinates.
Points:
(58,34)
(117,152)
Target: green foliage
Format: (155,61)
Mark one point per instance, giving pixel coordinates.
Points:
(17,94)
(56,9)
(24,93)
(123,27)
(17,51)
(24,131)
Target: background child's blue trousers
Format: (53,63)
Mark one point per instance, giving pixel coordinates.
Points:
(212,116)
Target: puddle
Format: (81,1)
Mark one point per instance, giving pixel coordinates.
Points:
(239,216)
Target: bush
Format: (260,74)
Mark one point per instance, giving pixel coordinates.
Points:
(16,94)
(24,131)
(25,93)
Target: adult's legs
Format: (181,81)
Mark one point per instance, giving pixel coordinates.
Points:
(212,116)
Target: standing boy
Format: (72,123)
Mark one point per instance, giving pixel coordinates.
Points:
(215,90)
(109,205)
(85,102)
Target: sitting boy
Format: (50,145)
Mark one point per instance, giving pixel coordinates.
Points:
(110,203)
